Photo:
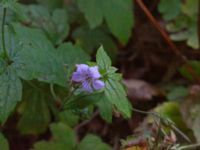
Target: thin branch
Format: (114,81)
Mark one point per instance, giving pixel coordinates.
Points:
(173,47)
(5,54)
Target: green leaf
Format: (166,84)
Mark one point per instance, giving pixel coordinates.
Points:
(55,25)
(92,11)
(114,90)
(117,13)
(196,67)
(92,142)
(116,94)
(10,93)
(119,17)
(83,100)
(64,138)
(3,142)
(90,39)
(102,59)
(105,109)
(51,4)
(170,9)
(69,118)
(36,116)
(177,93)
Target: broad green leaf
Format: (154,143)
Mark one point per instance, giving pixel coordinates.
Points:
(102,59)
(64,138)
(69,56)
(119,17)
(10,93)
(90,39)
(91,142)
(169,8)
(36,116)
(105,109)
(51,4)
(55,25)
(92,11)
(3,143)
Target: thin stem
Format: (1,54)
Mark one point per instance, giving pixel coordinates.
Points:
(5,54)
(190,146)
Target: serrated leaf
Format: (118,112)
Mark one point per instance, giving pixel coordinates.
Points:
(36,116)
(55,25)
(64,138)
(170,8)
(3,142)
(102,59)
(10,93)
(116,94)
(119,17)
(90,142)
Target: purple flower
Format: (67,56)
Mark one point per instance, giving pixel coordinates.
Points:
(88,77)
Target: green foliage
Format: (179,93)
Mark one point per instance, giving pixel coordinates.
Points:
(35,116)
(177,93)
(195,66)
(114,90)
(182,20)
(64,138)
(3,142)
(170,9)
(90,142)
(117,16)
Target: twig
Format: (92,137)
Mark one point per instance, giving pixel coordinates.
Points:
(199,23)
(96,113)
(5,54)
(189,146)
(176,51)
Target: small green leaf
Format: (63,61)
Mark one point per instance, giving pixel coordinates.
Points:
(3,142)
(177,93)
(51,4)
(116,94)
(170,8)
(92,142)
(102,59)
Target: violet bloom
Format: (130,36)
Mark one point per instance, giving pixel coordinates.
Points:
(88,77)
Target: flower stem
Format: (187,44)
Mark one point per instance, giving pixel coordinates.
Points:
(5,54)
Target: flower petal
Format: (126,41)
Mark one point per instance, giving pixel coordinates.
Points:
(86,85)
(82,68)
(98,84)
(78,77)
(94,72)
